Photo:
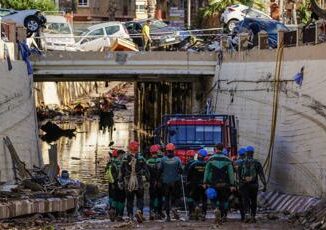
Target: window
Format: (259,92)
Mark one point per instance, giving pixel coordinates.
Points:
(97,32)
(112,29)
(93,36)
(140,8)
(58,28)
(83,2)
(197,135)
(4,12)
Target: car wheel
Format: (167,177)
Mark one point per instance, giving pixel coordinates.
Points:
(32,23)
(231,24)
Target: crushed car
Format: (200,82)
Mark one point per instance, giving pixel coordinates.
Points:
(162,34)
(256,25)
(238,12)
(33,20)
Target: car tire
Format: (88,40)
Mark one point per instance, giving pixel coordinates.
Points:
(32,23)
(231,24)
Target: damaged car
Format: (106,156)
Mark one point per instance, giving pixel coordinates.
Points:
(162,34)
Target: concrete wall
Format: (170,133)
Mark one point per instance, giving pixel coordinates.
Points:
(62,93)
(17,118)
(299,161)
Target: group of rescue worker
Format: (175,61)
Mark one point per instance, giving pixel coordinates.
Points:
(204,177)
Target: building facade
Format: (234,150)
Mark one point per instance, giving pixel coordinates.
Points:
(102,10)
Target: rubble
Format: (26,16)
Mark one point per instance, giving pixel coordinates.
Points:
(313,218)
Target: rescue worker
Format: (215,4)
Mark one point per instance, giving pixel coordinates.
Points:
(155,184)
(171,171)
(117,195)
(190,157)
(249,170)
(219,174)
(133,169)
(237,163)
(146,36)
(196,188)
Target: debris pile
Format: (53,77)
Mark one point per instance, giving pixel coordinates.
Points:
(313,218)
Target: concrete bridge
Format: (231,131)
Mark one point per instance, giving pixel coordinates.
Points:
(123,66)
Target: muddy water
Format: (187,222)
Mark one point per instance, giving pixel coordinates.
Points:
(85,156)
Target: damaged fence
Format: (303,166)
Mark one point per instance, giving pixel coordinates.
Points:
(36,190)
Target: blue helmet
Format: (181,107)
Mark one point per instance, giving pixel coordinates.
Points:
(225,152)
(242,151)
(211,193)
(202,152)
(250,149)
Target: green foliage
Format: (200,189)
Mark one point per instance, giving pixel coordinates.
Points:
(43,5)
(304,12)
(218,6)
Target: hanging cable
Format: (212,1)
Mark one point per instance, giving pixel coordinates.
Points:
(269,160)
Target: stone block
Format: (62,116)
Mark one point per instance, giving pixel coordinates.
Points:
(39,205)
(71,203)
(4,211)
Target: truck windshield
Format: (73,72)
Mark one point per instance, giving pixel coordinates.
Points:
(194,135)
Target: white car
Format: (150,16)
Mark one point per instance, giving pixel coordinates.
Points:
(235,13)
(57,34)
(31,19)
(99,36)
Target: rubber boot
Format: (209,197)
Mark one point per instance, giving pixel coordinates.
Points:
(151,215)
(139,217)
(247,219)
(130,216)
(112,214)
(197,213)
(218,217)
(168,218)
(203,216)
(175,214)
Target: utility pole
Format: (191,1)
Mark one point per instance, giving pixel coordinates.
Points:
(189,15)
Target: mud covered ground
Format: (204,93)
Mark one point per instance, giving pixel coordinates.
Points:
(179,225)
(263,222)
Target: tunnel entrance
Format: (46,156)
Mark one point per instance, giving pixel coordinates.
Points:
(137,107)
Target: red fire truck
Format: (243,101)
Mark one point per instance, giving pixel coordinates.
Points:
(192,132)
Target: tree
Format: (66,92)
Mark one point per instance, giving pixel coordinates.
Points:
(43,5)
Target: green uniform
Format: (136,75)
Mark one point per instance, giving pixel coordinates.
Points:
(219,174)
(249,171)
(155,188)
(132,170)
(117,195)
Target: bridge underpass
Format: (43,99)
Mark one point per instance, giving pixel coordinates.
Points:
(164,82)
(123,66)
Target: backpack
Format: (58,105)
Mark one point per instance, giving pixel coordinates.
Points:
(220,176)
(108,175)
(248,171)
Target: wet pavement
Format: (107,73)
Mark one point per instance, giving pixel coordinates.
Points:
(85,156)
